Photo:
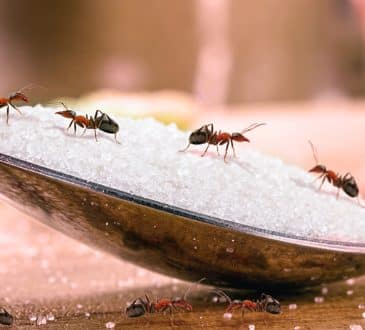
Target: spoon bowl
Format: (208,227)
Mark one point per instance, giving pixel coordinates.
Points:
(171,240)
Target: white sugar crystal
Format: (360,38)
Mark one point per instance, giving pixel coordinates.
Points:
(254,189)
(251,327)
(41,320)
(318,300)
(324,290)
(110,325)
(355,327)
(50,317)
(350,281)
(293,306)
(32,317)
(227,316)
(350,292)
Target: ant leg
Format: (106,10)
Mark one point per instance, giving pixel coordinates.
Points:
(338,193)
(70,124)
(115,137)
(226,152)
(323,180)
(183,150)
(16,108)
(96,139)
(75,128)
(319,177)
(84,131)
(218,150)
(234,151)
(205,151)
(7,115)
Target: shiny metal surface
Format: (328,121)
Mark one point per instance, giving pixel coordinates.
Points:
(174,241)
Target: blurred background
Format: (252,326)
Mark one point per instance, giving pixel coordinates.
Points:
(220,51)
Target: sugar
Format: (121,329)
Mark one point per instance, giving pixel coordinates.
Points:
(254,189)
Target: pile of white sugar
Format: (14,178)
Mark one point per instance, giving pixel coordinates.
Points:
(254,189)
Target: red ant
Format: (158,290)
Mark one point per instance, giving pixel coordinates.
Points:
(347,182)
(99,121)
(143,305)
(206,134)
(8,102)
(266,303)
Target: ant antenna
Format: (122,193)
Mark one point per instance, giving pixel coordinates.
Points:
(31,86)
(64,105)
(194,284)
(251,127)
(223,294)
(314,151)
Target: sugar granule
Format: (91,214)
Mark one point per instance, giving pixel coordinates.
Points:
(254,189)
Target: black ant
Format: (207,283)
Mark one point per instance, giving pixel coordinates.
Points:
(207,134)
(266,303)
(346,182)
(100,120)
(143,305)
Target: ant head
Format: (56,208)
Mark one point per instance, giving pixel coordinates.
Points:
(239,137)
(349,185)
(270,304)
(18,96)
(318,169)
(66,113)
(136,308)
(201,135)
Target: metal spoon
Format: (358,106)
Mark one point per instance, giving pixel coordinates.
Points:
(173,241)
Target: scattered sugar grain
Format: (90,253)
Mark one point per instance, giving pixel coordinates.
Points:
(350,292)
(318,300)
(110,325)
(277,197)
(324,290)
(293,306)
(350,281)
(227,316)
(251,327)
(355,327)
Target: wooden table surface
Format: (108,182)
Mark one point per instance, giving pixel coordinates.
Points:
(42,271)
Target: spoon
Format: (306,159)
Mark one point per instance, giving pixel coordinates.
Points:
(171,240)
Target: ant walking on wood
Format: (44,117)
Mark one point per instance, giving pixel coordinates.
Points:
(266,303)
(143,305)
(346,182)
(100,120)
(207,134)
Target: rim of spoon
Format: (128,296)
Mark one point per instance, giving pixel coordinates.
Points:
(340,246)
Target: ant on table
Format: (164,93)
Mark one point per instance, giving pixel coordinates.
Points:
(207,134)
(143,305)
(100,120)
(266,303)
(346,182)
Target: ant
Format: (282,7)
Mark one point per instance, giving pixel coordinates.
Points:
(266,303)
(207,134)
(100,120)
(143,305)
(347,182)
(8,102)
